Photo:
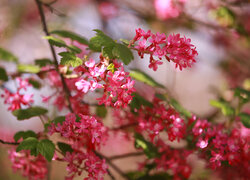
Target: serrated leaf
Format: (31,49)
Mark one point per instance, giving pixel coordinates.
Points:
(24,135)
(245,119)
(145,78)
(123,52)
(149,149)
(43,62)
(27,144)
(3,74)
(71,35)
(226,109)
(7,56)
(69,59)
(64,147)
(22,114)
(107,52)
(28,68)
(35,84)
(179,108)
(97,42)
(101,111)
(46,148)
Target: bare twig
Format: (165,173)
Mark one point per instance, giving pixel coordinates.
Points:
(126,155)
(9,143)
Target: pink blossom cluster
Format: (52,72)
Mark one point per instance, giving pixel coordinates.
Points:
(166,9)
(223,147)
(174,160)
(173,48)
(116,84)
(86,132)
(79,161)
(84,135)
(34,168)
(17,99)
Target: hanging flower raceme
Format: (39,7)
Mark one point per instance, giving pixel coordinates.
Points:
(174,48)
(34,168)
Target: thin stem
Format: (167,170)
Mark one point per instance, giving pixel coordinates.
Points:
(9,143)
(45,29)
(126,155)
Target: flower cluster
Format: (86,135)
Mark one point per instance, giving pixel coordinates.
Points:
(84,134)
(173,48)
(116,83)
(224,147)
(35,168)
(95,167)
(17,99)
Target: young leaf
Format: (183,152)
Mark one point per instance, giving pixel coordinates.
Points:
(145,78)
(149,149)
(226,109)
(123,52)
(7,56)
(46,148)
(43,62)
(24,135)
(27,144)
(101,111)
(69,59)
(71,35)
(28,68)
(22,114)
(35,84)
(245,119)
(97,42)
(64,147)
(3,74)
(180,109)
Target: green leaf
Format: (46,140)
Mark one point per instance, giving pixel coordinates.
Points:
(59,119)
(245,119)
(139,101)
(27,144)
(125,41)
(145,78)
(60,43)
(180,109)
(107,52)
(135,175)
(43,62)
(111,67)
(35,84)
(123,52)
(24,135)
(22,114)
(28,68)
(7,56)
(64,147)
(225,16)
(101,111)
(226,109)
(46,148)
(71,35)
(69,59)
(243,94)
(97,42)
(149,149)
(3,74)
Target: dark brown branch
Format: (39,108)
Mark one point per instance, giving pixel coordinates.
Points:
(45,29)
(126,155)
(123,126)
(9,143)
